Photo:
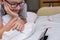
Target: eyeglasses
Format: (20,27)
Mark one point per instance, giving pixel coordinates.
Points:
(15,4)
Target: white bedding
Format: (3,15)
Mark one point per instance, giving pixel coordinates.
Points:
(35,36)
(55,18)
(17,35)
(54,31)
(51,22)
(43,22)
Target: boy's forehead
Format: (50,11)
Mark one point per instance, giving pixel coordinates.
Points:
(15,0)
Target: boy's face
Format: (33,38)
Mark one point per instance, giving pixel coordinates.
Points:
(14,5)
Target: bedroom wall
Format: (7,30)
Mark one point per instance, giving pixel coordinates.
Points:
(33,5)
(47,4)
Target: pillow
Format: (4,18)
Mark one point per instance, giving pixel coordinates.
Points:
(31,16)
(55,18)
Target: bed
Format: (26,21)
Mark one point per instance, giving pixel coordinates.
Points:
(47,17)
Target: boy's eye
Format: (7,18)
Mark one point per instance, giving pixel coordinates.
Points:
(13,3)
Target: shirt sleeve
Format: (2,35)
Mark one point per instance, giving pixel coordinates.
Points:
(23,11)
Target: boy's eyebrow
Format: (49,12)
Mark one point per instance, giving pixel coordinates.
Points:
(15,1)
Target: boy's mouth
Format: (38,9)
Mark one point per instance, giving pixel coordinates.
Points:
(14,10)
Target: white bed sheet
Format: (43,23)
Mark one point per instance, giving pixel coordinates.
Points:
(11,35)
(53,31)
(37,35)
(42,23)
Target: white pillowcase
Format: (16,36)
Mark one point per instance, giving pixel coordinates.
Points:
(55,18)
(31,16)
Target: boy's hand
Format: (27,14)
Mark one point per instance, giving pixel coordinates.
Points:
(9,26)
(19,25)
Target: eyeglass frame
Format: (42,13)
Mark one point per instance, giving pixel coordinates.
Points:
(21,4)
